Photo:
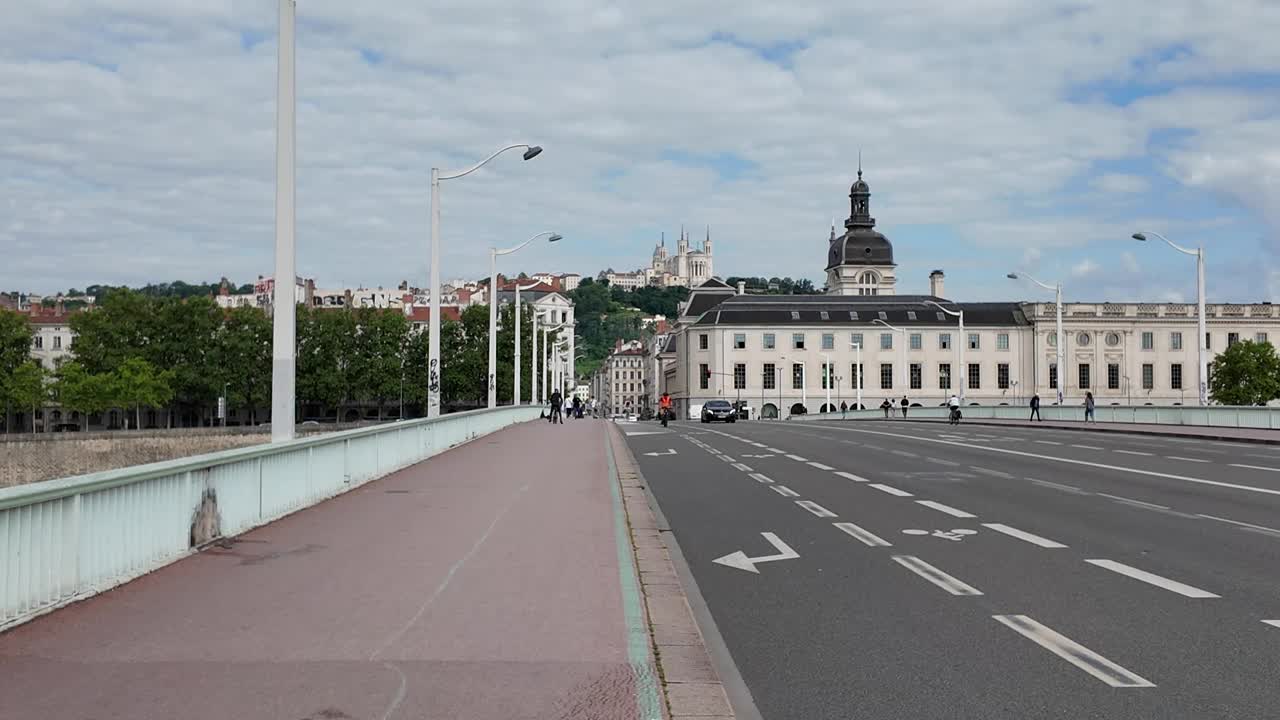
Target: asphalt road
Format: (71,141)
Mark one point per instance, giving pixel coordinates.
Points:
(980,572)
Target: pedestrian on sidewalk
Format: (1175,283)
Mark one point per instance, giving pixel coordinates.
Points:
(1035,407)
(887,407)
(844,409)
(1089,407)
(556,402)
(905,405)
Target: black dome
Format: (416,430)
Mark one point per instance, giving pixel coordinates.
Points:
(860,246)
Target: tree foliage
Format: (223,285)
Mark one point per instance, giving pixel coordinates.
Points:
(776,285)
(1247,373)
(26,388)
(15,341)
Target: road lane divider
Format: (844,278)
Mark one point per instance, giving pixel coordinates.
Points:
(1023,535)
(1138,503)
(797,458)
(1060,486)
(851,476)
(1247,526)
(993,473)
(890,489)
(1255,467)
(1163,583)
(784,491)
(1073,652)
(1086,447)
(816,509)
(953,512)
(952,585)
(743,468)
(1186,459)
(820,466)
(1134,452)
(866,537)
(761,478)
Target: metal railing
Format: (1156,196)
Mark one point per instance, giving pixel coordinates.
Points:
(1230,416)
(67,539)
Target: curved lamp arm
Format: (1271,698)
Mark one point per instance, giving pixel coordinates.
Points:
(1143,236)
(554,238)
(952,313)
(878,321)
(1015,276)
(531,151)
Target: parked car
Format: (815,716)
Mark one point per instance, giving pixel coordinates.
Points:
(714,410)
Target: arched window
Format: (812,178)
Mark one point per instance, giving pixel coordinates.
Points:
(870,278)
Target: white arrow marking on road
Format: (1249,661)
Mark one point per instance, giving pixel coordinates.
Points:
(670,451)
(740,560)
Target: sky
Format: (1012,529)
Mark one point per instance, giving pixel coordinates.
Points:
(137,139)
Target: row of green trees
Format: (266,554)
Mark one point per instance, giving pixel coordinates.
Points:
(134,351)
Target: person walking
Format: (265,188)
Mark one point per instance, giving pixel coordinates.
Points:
(905,405)
(556,402)
(887,407)
(844,409)
(1035,407)
(577,408)
(1089,406)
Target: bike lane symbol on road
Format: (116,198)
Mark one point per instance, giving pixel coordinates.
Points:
(955,535)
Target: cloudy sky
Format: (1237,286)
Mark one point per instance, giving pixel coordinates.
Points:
(137,138)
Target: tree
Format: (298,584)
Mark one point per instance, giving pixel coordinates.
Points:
(1247,373)
(182,340)
(379,353)
(76,389)
(123,326)
(25,388)
(137,383)
(15,341)
(242,352)
(326,342)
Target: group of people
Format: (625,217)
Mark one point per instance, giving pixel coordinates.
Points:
(1090,408)
(890,407)
(576,409)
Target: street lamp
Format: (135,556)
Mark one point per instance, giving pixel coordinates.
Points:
(960,370)
(533,371)
(1057,289)
(1201,350)
(433,327)
(857,372)
(903,332)
(493,311)
(284,321)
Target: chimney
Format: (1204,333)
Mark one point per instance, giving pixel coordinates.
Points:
(935,283)
(742,287)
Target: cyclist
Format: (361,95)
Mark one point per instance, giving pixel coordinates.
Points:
(954,404)
(664,408)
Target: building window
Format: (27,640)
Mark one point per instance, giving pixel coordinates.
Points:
(911,314)
(1113,376)
(1053,376)
(797,341)
(828,373)
(1175,341)
(770,376)
(1002,376)
(1083,370)
(857,376)
(39,341)
(1175,376)
(1083,339)
(917,376)
(886,341)
(1232,338)
(1051,339)
(944,341)
(975,376)
(57,342)
(856,339)
(1148,341)
(973,341)
(1148,376)
(797,376)
(1002,341)
(886,376)
(917,341)
(1207,338)
(1261,338)
(739,341)
(740,376)
(769,341)
(704,376)
(702,341)
(944,376)
(828,341)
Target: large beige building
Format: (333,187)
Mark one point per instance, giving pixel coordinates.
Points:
(779,354)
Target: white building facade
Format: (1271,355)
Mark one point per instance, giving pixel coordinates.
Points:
(688,267)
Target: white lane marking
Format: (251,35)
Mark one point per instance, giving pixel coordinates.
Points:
(761,478)
(940,461)
(1255,467)
(890,490)
(1272,623)
(743,468)
(712,450)
(851,476)
(759,445)
(1152,579)
(873,447)
(1186,459)
(774,450)
(953,512)
(1086,447)
(1130,501)
(1073,652)
(1073,461)
(784,491)
(1023,535)
(1250,526)
(865,536)
(1048,442)
(904,453)
(996,473)
(935,576)
(740,560)
(820,466)
(1134,452)
(1060,486)
(726,458)
(797,458)
(816,509)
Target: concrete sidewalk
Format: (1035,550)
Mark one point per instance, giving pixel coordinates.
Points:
(495,581)
(1194,432)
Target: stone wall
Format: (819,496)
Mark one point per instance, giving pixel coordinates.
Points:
(31,458)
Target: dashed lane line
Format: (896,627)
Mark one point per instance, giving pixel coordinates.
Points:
(1130,501)
(890,490)
(784,491)
(866,537)
(940,461)
(761,478)
(904,453)
(816,509)
(1086,447)
(1073,652)
(1186,459)
(953,512)
(797,458)
(851,476)
(1134,452)
(952,585)
(743,468)
(993,473)
(1247,526)
(1255,467)
(1163,583)
(820,466)
(1047,442)
(1023,535)
(1060,486)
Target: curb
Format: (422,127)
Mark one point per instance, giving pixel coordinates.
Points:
(691,685)
(1147,430)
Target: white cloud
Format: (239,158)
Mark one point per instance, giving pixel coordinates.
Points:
(1121,183)
(137,138)
(1084,268)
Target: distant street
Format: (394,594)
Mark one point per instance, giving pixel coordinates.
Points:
(915,570)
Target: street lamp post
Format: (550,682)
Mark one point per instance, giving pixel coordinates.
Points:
(963,340)
(903,333)
(433,326)
(1057,289)
(1201,351)
(533,372)
(493,310)
(284,321)
(857,372)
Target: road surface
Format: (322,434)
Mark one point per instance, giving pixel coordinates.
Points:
(916,570)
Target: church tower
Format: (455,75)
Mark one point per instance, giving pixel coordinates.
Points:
(860,262)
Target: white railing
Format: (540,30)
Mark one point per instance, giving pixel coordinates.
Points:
(1262,418)
(64,540)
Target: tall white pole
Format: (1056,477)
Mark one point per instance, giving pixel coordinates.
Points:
(804,385)
(906,377)
(284,307)
(828,372)
(533,351)
(515,396)
(964,372)
(1200,342)
(433,322)
(1062,370)
(859,374)
(493,328)
(571,362)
